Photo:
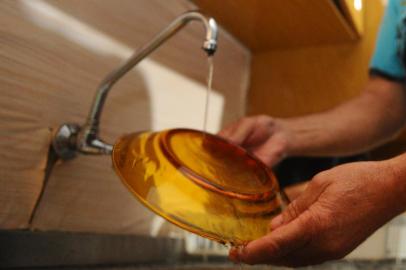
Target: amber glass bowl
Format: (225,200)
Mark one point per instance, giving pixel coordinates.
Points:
(199,182)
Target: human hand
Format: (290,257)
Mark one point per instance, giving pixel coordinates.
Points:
(264,136)
(339,209)
(294,191)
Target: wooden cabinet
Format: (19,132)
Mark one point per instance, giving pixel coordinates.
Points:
(307,56)
(278,24)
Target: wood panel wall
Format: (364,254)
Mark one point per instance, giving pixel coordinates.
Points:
(48,75)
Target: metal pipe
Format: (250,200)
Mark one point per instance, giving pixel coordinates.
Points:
(87,139)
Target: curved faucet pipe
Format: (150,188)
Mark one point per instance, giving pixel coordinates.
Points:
(85,139)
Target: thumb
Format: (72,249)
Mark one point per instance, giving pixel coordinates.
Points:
(300,204)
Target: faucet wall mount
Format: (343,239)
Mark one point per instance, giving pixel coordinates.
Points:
(71,138)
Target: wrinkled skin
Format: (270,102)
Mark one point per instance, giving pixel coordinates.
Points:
(262,135)
(339,209)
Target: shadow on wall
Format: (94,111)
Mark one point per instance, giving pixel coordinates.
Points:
(84,194)
(134,22)
(128,107)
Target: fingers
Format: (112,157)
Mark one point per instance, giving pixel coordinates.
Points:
(249,130)
(227,131)
(276,246)
(257,135)
(304,256)
(239,131)
(300,204)
(272,151)
(294,191)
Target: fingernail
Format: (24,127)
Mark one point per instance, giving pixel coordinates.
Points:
(276,222)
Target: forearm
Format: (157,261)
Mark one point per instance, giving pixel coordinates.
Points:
(368,120)
(395,169)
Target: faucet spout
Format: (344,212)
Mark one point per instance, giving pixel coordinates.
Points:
(86,139)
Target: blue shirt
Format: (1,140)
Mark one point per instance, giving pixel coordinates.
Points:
(389,57)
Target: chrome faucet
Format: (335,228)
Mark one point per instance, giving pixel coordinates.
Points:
(73,138)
